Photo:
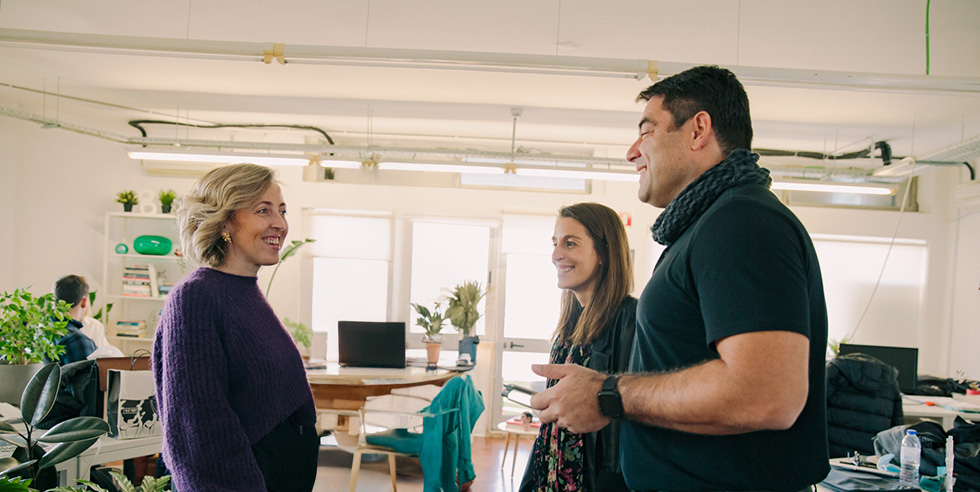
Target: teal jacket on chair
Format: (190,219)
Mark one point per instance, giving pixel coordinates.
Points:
(446,454)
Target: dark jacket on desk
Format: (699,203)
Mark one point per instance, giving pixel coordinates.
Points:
(862,399)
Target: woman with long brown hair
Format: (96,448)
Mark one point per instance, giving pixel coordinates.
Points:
(595,329)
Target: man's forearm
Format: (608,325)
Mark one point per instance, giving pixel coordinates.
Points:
(753,387)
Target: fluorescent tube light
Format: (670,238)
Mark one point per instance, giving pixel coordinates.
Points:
(232,158)
(905,167)
(439,168)
(627,176)
(859,189)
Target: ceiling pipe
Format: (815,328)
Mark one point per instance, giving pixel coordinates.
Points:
(637,69)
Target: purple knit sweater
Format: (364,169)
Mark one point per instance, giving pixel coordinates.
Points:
(226,373)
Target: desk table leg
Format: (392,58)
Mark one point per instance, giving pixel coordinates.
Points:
(506,446)
(513,461)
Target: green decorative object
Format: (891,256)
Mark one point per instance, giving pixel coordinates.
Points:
(122,249)
(152,245)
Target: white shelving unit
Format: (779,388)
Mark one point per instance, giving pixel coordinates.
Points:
(123,228)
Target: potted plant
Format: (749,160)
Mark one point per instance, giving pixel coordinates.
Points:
(30,327)
(128,199)
(69,438)
(300,333)
(463,312)
(431,322)
(167,198)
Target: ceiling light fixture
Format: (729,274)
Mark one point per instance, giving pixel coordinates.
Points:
(858,189)
(584,173)
(439,168)
(477,61)
(233,158)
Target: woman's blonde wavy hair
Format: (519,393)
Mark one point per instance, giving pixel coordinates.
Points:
(581,326)
(203,212)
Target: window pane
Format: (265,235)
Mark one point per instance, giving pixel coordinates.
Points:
(340,236)
(444,255)
(533,297)
(347,290)
(528,233)
(850,270)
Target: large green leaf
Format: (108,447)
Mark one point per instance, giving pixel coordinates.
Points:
(92,486)
(40,394)
(14,465)
(16,440)
(76,429)
(7,427)
(14,485)
(64,451)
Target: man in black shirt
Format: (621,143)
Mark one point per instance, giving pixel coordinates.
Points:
(726,386)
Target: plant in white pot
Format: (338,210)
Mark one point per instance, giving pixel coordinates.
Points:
(30,327)
(463,312)
(431,322)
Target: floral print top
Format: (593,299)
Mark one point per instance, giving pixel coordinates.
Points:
(559,455)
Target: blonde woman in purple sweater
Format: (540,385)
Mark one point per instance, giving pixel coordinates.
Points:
(237,410)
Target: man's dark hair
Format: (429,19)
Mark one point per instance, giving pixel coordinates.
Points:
(711,89)
(71,289)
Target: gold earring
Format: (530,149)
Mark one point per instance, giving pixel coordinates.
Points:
(226,236)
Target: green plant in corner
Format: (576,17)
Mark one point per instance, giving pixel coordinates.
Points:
(301,333)
(833,346)
(430,321)
(290,250)
(149,484)
(463,303)
(167,198)
(30,326)
(98,315)
(127,197)
(69,438)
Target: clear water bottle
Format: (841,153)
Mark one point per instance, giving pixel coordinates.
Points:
(911,451)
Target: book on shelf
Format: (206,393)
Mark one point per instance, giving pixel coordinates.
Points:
(135,329)
(140,281)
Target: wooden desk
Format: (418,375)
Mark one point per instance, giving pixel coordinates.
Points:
(347,388)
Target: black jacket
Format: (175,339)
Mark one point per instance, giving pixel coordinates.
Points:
(863,399)
(610,354)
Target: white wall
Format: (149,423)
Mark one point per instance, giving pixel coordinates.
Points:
(56,187)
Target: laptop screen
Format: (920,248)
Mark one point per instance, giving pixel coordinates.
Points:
(371,343)
(905,359)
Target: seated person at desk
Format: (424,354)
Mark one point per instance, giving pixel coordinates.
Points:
(236,408)
(82,315)
(74,290)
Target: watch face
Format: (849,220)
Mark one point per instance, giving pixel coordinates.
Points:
(610,403)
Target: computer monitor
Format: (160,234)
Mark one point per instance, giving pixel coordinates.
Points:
(905,359)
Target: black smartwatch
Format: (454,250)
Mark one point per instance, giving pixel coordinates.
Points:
(610,403)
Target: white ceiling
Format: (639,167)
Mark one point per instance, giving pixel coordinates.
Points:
(864,44)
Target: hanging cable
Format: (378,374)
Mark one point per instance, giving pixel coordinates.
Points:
(138,125)
(886,149)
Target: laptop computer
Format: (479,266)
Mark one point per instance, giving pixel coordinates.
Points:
(371,343)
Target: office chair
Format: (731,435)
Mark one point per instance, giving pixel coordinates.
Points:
(442,446)
(863,399)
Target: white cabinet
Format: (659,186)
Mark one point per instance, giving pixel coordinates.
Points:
(130,305)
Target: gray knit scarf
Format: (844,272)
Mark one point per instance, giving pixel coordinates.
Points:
(739,168)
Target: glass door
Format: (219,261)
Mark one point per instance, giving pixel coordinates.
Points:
(530,305)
